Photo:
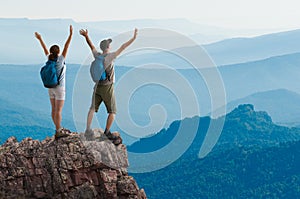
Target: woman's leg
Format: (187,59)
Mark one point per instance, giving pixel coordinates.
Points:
(52,100)
(59,104)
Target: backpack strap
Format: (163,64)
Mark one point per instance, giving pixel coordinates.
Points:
(58,78)
(105,68)
(107,73)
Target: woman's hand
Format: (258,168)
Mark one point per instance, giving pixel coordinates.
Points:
(71,29)
(38,36)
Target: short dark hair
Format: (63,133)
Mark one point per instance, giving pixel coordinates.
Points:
(104,44)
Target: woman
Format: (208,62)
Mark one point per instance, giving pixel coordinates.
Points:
(57,94)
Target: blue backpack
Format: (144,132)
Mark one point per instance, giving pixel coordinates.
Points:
(49,74)
(97,69)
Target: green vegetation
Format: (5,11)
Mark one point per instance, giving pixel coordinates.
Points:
(254,158)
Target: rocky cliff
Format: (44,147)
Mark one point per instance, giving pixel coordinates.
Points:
(69,167)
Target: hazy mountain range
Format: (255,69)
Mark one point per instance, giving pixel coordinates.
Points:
(242,80)
(239,50)
(273,102)
(22,48)
(270,84)
(226,52)
(272,72)
(280,72)
(24,120)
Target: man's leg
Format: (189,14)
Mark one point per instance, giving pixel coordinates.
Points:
(96,101)
(90,118)
(110,103)
(109,121)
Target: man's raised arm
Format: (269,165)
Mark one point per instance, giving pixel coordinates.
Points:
(88,41)
(126,44)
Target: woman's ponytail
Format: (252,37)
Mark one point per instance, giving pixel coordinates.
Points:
(54,51)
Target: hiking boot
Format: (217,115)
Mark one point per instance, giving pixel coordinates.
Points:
(62,132)
(89,134)
(110,136)
(117,141)
(114,137)
(67,131)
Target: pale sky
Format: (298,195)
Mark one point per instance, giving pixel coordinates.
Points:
(259,14)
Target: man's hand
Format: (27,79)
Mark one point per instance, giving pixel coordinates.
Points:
(38,36)
(84,32)
(128,43)
(89,42)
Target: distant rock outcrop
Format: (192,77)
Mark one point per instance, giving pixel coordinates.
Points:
(69,167)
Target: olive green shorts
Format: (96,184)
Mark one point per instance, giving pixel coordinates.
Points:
(106,94)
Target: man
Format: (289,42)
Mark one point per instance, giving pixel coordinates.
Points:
(104,89)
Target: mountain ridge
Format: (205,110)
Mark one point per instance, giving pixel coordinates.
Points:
(26,28)
(239,50)
(253,158)
(271,101)
(259,127)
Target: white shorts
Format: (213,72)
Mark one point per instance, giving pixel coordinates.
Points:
(58,93)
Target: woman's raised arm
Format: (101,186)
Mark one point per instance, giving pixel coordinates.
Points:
(39,37)
(67,44)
